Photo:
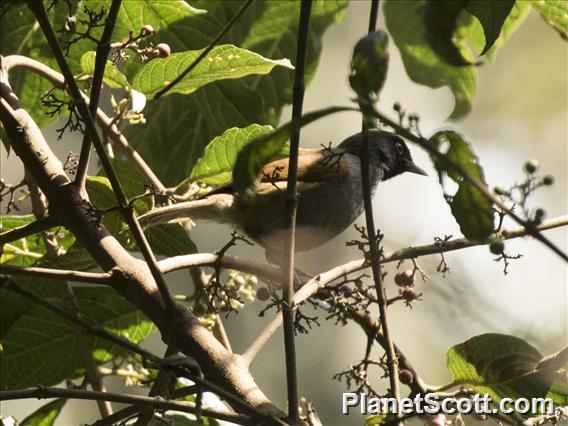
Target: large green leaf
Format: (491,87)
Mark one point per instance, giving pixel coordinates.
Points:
(424,66)
(220,156)
(471,209)
(369,65)
(223,62)
(506,366)
(555,13)
(46,414)
(170,239)
(40,347)
(179,127)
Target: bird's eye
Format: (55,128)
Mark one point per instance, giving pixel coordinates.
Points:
(399,148)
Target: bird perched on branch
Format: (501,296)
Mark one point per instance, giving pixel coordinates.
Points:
(330,195)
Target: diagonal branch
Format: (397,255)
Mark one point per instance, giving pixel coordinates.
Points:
(39,225)
(103,50)
(157,403)
(126,209)
(531,228)
(321,280)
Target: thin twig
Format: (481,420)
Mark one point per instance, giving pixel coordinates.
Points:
(290,214)
(103,50)
(531,228)
(157,403)
(103,278)
(203,54)
(39,225)
(55,78)
(364,155)
(321,280)
(126,209)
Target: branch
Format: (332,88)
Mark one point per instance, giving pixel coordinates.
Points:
(132,277)
(321,280)
(479,185)
(38,10)
(290,214)
(103,278)
(203,54)
(27,230)
(103,50)
(157,403)
(16,61)
(374,241)
(160,363)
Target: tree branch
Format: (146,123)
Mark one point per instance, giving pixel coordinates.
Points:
(321,280)
(126,210)
(157,403)
(290,214)
(39,225)
(425,144)
(59,274)
(132,277)
(103,50)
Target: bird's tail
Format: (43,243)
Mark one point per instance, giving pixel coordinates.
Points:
(217,208)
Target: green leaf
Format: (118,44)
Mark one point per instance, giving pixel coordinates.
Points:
(422,63)
(223,62)
(179,127)
(369,65)
(42,339)
(112,76)
(260,151)
(506,366)
(440,22)
(170,240)
(45,415)
(377,419)
(492,15)
(220,155)
(471,209)
(555,13)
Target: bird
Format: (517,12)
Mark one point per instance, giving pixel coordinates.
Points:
(329,191)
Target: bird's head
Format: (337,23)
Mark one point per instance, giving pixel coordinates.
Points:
(388,152)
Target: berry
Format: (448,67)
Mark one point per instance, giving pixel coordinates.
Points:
(397,107)
(408,294)
(263,294)
(540,213)
(548,180)
(404,278)
(497,246)
(346,289)
(147,29)
(164,50)
(406,377)
(531,166)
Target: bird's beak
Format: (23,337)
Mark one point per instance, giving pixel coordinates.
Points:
(413,168)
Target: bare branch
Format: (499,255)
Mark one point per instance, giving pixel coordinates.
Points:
(103,49)
(157,403)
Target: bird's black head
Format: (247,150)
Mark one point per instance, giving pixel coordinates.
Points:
(388,152)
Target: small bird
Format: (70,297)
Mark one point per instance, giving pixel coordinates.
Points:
(329,188)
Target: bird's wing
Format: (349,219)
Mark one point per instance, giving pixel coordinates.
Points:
(315,166)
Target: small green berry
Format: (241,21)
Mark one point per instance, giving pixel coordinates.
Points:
(548,180)
(497,246)
(531,166)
